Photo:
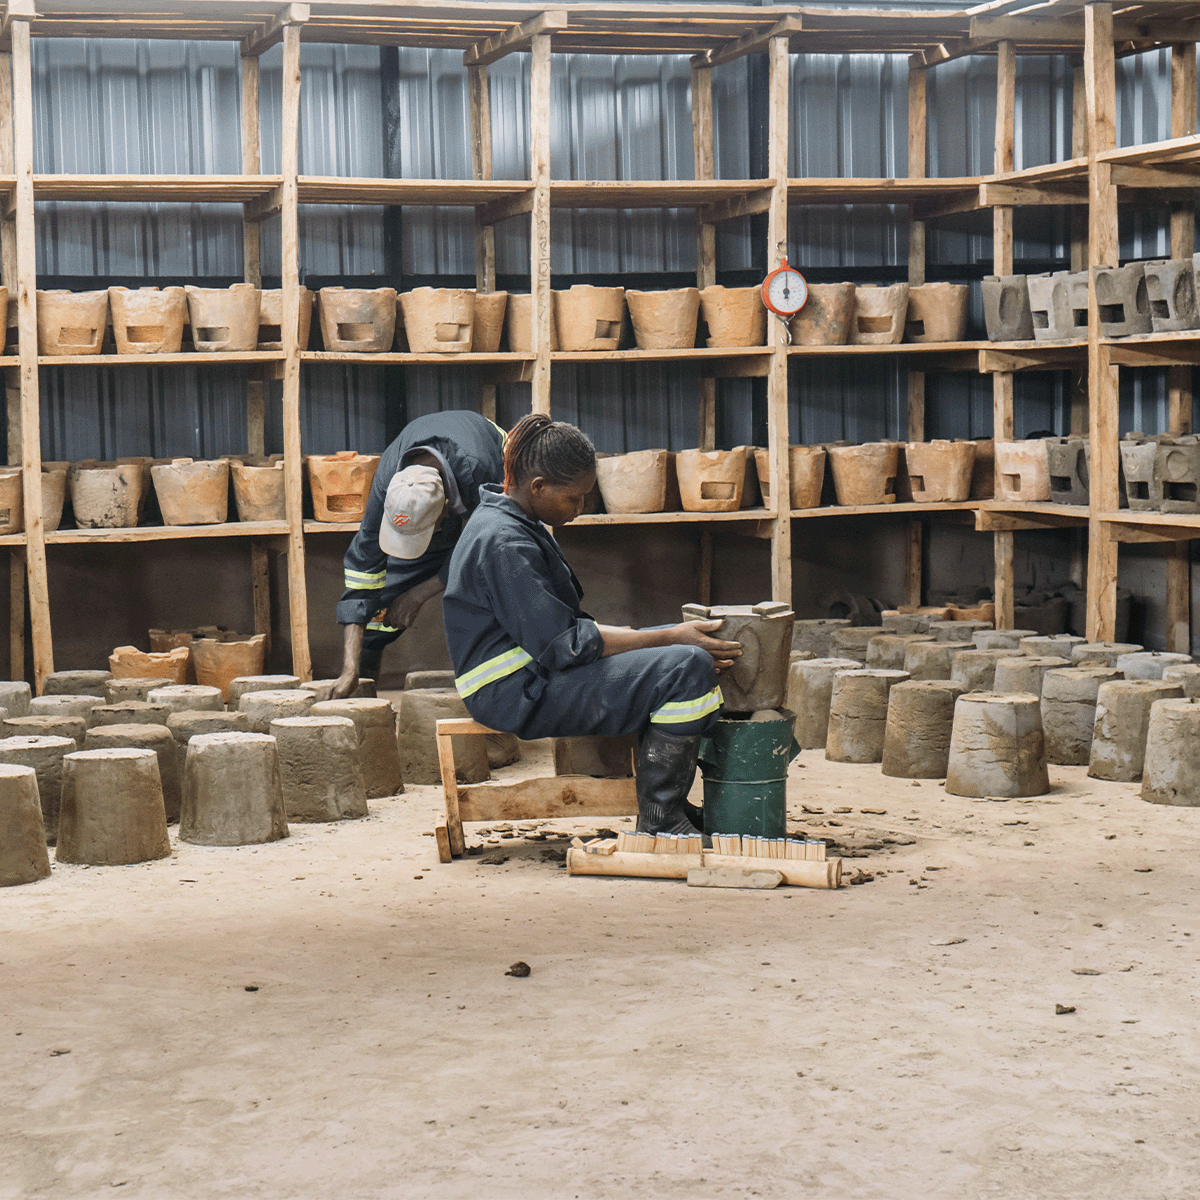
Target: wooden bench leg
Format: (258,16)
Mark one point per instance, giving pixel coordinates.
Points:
(454,830)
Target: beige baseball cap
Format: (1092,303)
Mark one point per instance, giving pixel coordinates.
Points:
(411,509)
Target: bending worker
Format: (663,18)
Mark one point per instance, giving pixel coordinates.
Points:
(528,660)
(425,487)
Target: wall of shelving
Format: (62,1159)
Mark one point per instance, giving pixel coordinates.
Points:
(401,112)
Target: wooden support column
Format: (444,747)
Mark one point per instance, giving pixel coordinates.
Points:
(1100,81)
(1002,264)
(26,260)
(256,414)
(777,378)
(539,220)
(706,235)
(290,267)
(1179,378)
(260,577)
(917,150)
(485,234)
(12,376)
(1079,243)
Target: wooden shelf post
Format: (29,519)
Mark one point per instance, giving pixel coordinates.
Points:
(1179,378)
(252,247)
(290,268)
(485,233)
(706,234)
(1100,81)
(777,378)
(539,220)
(917,149)
(1002,256)
(26,288)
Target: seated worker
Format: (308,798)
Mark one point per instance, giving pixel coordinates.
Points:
(528,660)
(425,487)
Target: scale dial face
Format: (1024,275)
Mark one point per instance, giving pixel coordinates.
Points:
(785,291)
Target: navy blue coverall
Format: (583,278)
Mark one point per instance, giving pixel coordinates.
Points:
(470,450)
(527,658)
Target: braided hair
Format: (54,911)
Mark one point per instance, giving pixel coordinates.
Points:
(554,450)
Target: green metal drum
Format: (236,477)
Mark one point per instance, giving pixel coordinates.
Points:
(744,763)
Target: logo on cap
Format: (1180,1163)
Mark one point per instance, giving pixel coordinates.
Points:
(401,519)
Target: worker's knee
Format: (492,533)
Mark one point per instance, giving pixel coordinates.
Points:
(693,668)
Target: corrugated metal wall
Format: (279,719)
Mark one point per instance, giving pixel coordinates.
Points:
(174,107)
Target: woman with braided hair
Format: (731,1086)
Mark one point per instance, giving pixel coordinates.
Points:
(528,660)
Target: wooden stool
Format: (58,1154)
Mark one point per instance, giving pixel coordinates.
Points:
(541,799)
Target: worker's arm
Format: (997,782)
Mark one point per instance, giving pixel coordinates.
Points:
(400,614)
(617,640)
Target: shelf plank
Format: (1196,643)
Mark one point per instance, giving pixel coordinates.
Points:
(164,533)
(1001,516)
(331,526)
(208,189)
(864,190)
(1129,526)
(656,193)
(697,354)
(672,518)
(909,508)
(1155,349)
(902,348)
(404,358)
(326,189)
(215,358)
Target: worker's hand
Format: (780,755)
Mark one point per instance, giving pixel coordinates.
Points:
(402,611)
(696,633)
(343,686)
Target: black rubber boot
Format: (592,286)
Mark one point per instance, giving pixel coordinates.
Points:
(666,767)
(370,663)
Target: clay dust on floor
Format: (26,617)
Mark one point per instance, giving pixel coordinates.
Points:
(330,1015)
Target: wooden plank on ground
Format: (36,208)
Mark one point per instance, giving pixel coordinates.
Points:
(563,796)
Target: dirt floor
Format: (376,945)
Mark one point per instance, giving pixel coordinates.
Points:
(329,1016)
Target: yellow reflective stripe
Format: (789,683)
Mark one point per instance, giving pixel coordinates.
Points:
(678,712)
(383,628)
(492,671)
(503,435)
(364,581)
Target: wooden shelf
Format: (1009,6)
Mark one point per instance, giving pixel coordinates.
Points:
(720,199)
(1155,349)
(1000,516)
(398,358)
(672,518)
(174,189)
(906,508)
(325,189)
(1031,356)
(156,533)
(961,194)
(1156,166)
(331,526)
(1129,526)
(208,358)
(696,354)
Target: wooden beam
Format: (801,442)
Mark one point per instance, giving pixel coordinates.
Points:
(913,566)
(1100,82)
(17,10)
(485,233)
(748,205)
(1179,378)
(519,37)
(703,159)
(949,51)
(1002,264)
(260,576)
(992,195)
(31,448)
(272,32)
(256,409)
(290,268)
(16,613)
(777,335)
(756,42)
(539,221)
(495,211)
